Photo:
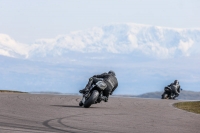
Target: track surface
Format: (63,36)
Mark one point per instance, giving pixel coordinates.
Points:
(32,113)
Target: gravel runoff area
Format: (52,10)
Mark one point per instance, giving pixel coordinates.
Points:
(37,113)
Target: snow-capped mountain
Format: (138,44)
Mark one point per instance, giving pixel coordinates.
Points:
(9,47)
(129,38)
(143,57)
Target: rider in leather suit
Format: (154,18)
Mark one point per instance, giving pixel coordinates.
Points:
(175,88)
(110,80)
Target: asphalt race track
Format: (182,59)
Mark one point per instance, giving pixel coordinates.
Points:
(36,113)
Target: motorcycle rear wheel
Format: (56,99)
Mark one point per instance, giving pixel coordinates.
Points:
(91,100)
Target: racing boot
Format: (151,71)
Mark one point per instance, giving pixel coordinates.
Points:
(89,84)
(104,98)
(176,95)
(170,96)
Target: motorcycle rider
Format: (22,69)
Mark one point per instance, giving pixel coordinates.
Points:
(175,87)
(110,80)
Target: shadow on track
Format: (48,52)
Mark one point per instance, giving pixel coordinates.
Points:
(75,106)
(67,106)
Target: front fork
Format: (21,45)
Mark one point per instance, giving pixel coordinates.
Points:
(85,96)
(83,100)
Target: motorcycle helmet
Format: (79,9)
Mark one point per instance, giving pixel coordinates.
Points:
(112,73)
(176,82)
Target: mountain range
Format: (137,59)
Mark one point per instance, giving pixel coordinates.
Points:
(155,41)
(144,57)
(184,95)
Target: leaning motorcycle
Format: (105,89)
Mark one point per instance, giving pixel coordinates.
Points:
(94,95)
(167,93)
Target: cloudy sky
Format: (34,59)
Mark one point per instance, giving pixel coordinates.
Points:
(26,21)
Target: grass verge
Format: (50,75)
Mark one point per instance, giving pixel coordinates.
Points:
(189,106)
(9,91)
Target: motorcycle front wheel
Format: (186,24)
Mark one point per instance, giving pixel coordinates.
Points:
(165,96)
(91,100)
(80,103)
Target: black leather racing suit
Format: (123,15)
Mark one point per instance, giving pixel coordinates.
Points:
(175,89)
(109,79)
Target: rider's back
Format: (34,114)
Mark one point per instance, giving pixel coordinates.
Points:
(110,79)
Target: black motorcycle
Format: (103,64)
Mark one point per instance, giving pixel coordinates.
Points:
(94,95)
(168,93)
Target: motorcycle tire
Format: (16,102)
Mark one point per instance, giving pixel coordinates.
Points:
(80,103)
(165,96)
(91,100)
